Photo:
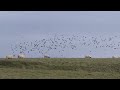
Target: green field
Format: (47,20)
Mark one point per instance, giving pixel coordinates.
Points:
(60,68)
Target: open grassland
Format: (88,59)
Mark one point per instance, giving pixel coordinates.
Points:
(60,68)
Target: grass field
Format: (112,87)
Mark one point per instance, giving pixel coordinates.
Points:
(61,68)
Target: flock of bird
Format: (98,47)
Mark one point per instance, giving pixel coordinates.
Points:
(61,43)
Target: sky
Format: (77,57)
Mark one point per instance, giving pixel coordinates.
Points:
(16,26)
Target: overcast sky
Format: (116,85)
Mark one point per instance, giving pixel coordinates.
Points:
(16,25)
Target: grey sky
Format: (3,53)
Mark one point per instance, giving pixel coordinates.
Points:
(28,25)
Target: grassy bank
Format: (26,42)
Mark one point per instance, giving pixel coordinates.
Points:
(60,68)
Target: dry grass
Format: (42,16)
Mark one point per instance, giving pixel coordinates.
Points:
(60,68)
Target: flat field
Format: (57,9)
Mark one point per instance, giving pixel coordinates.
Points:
(60,68)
